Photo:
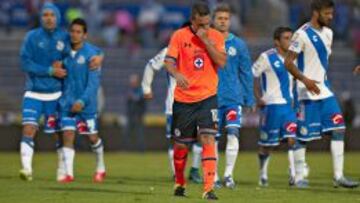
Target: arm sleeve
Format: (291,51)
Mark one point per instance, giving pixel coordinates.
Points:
(27,63)
(92,86)
(220,43)
(259,66)
(155,64)
(297,43)
(246,76)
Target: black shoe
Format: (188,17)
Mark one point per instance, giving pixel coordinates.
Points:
(210,195)
(179,191)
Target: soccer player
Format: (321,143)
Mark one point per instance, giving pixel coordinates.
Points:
(235,89)
(156,64)
(274,96)
(40,49)
(79,101)
(194,55)
(319,113)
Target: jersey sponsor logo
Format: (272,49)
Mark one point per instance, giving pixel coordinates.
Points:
(81,60)
(232,51)
(41,44)
(60,45)
(187,45)
(231,115)
(291,127)
(337,119)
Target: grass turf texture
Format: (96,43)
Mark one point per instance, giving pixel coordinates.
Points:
(145,177)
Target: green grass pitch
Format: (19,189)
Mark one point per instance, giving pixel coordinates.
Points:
(145,177)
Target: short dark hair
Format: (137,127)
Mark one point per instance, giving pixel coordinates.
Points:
(281,30)
(79,21)
(199,8)
(318,5)
(223,7)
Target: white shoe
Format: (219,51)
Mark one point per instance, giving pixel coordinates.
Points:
(25,175)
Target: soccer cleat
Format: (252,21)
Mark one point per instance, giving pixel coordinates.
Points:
(67,179)
(291,180)
(210,195)
(99,177)
(218,184)
(302,184)
(194,176)
(229,182)
(263,182)
(25,175)
(179,191)
(345,183)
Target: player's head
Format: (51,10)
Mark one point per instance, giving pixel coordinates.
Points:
(323,11)
(282,38)
(50,16)
(222,15)
(200,16)
(78,31)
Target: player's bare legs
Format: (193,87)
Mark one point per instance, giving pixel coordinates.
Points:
(27,151)
(98,148)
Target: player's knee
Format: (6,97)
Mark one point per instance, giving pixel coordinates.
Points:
(338,135)
(179,145)
(232,142)
(232,131)
(291,142)
(29,130)
(264,150)
(298,145)
(93,138)
(68,138)
(197,148)
(207,139)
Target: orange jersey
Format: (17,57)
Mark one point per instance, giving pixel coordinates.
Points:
(194,62)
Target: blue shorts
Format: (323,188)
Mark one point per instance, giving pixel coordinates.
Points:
(168,125)
(277,122)
(229,116)
(33,109)
(84,124)
(316,118)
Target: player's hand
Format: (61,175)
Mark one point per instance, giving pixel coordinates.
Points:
(250,109)
(356,70)
(260,104)
(77,107)
(57,64)
(311,86)
(59,72)
(181,81)
(96,62)
(202,34)
(148,95)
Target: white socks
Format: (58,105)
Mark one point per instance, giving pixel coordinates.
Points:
(291,158)
(196,149)
(26,153)
(231,153)
(337,152)
(69,154)
(61,165)
(171,159)
(299,155)
(98,148)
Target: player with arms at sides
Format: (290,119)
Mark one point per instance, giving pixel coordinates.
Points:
(319,113)
(156,64)
(194,55)
(273,92)
(235,89)
(79,101)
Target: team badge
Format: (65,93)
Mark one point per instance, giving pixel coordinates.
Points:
(277,64)
(303,131)
(199,62)
(263,135)
(41,44)
(81,60)
(232,51)
(177,132)
(60,45)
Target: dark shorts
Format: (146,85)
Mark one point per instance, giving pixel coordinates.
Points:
(192,119)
